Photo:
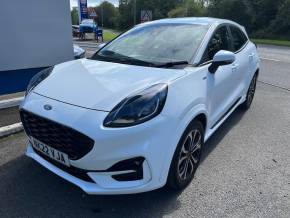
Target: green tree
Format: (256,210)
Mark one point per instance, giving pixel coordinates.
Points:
(74,16)
(262,18)
(189,8)
(235,10)
(280,26)
(110,15)
(162,7)
(179,11)
(159,8)
(262,13)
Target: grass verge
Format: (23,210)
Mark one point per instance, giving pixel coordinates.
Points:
(110,34)
(272,42)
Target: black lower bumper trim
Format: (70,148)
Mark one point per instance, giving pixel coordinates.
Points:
(135,164)
(76,172)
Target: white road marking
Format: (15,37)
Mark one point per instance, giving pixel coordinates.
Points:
(273,85)
(270,59)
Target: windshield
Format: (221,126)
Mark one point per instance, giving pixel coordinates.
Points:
(155,44)
(87,21)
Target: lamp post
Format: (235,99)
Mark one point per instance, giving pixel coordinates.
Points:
(134,12)
(125,2)
(102,9)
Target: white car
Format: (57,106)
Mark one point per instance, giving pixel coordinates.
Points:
(136,115)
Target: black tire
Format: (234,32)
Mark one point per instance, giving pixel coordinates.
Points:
(250,94)
(176,179)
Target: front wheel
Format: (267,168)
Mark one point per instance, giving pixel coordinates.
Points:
(250,94)
(186,157)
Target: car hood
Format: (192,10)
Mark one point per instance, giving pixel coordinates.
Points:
(100,85)
(87,25)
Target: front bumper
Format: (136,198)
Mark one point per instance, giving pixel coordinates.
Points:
(103,183)
(150,140)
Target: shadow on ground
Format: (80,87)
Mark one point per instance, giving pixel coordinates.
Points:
(223,130)
(29,190)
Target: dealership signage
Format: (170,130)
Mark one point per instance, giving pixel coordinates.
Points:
(92,13)
(146,16)
(83,9)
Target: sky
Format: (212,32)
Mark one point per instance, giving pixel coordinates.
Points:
(74,3)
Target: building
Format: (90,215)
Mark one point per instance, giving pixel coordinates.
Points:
(34,35)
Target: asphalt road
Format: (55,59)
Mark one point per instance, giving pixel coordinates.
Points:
(9,116)
(275,53)
(244,173)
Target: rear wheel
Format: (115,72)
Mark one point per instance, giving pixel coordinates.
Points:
(186,157)
(250,94)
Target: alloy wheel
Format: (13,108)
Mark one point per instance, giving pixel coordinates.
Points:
(189,155)
(251,91)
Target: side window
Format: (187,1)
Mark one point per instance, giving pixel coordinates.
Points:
(239,38)
(219,41)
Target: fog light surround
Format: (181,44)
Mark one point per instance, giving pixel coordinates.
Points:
(132,169)
(105,179)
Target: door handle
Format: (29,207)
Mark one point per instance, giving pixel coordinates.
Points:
(235,67)
(251,56)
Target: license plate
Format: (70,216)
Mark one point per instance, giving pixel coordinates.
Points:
(51,152)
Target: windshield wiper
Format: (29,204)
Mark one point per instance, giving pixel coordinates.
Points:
(132,60)
(172,64)
(117,57)
(114,56)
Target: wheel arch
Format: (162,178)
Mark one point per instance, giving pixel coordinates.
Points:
(200,116)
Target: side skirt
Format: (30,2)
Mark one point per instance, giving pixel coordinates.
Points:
(223,118)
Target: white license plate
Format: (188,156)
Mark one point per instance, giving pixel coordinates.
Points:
(51,152)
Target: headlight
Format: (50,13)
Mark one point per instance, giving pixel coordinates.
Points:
(38,78)
(139,108)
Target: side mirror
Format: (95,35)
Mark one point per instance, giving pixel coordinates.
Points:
(221,58)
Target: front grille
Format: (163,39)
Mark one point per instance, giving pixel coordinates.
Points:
(87,29)
(76,172)
(65,139)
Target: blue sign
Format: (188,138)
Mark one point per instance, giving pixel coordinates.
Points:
(16,80)
(83,9)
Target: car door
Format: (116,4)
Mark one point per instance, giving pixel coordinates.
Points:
(244,57)
(220,85)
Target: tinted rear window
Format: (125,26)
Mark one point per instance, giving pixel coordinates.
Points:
(239,38)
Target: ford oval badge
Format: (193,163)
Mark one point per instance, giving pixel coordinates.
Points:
(47,107)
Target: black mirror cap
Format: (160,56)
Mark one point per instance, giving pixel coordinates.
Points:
(216,64)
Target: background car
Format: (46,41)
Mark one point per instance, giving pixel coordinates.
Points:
(87,26)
